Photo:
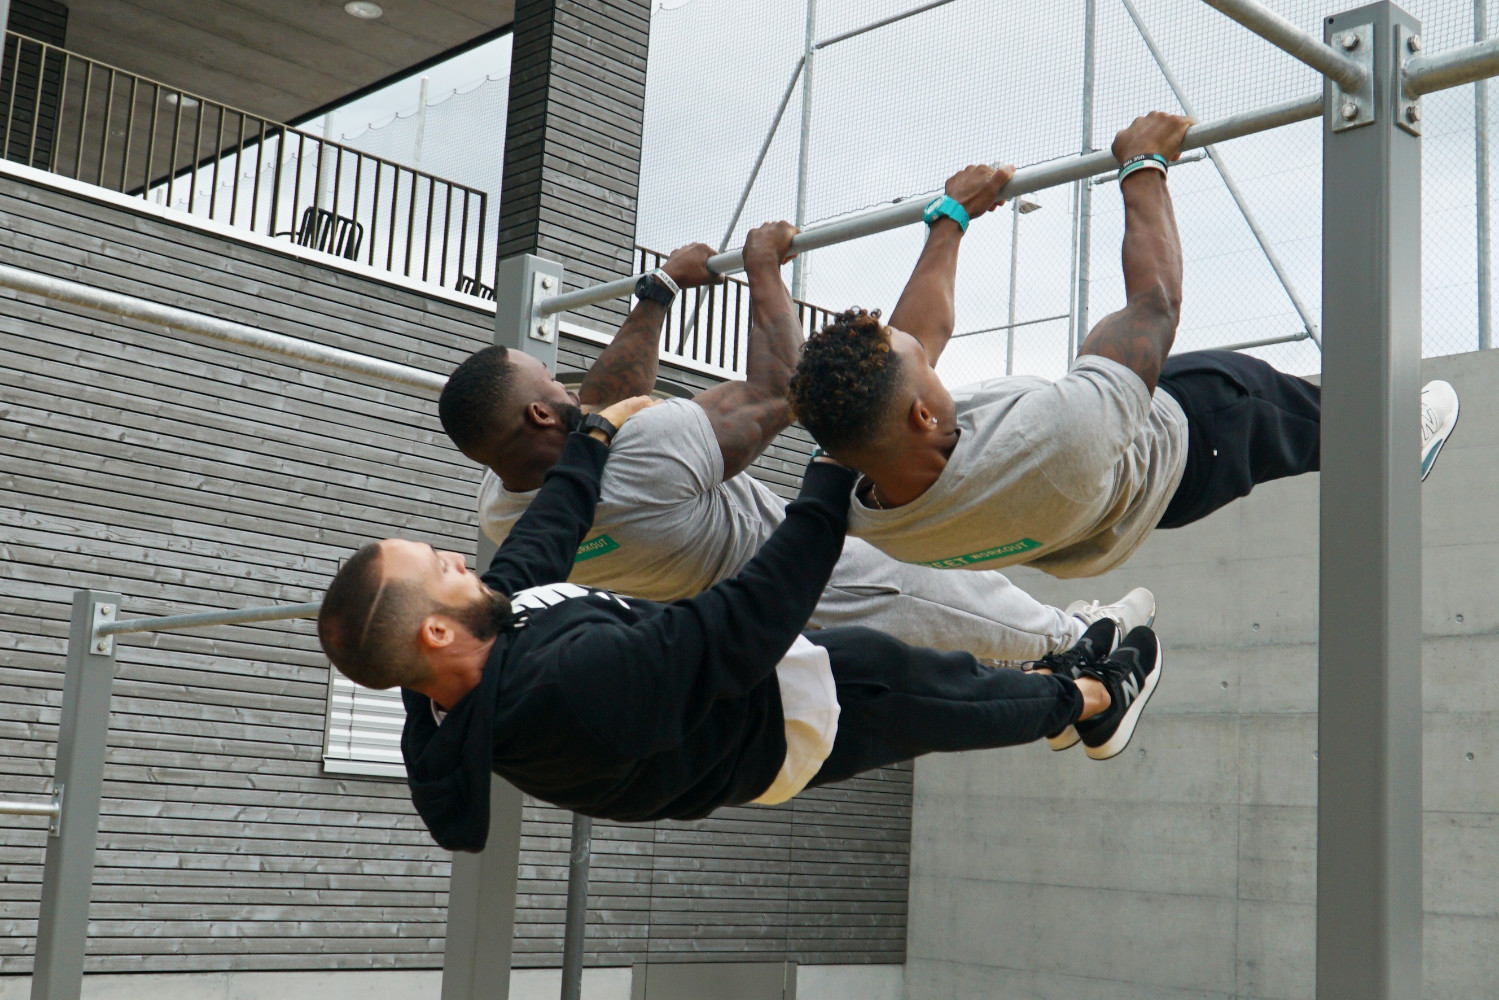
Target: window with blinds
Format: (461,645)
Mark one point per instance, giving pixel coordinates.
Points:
(363,732)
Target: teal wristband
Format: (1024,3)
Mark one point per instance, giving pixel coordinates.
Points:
(1145,161)
(946,207)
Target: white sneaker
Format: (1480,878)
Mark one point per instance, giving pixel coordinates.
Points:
(1134,609)
(1131,611)
(1438,417)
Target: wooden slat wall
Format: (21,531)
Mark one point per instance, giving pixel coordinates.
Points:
(572,149)
(193,477)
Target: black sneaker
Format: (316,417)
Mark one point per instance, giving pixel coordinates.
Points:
(1130,673)
(1097,642)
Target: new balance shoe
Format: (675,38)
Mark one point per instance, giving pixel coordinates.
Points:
(1134,609)
(1096,644)
(1130,674)
(1438,417)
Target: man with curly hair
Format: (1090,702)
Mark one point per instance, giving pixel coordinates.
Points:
(679,513)
(1068,476)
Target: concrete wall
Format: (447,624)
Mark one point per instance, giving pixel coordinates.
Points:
(1186,867)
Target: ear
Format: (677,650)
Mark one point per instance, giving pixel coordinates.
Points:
(436,633)
(921,418)
(538,415)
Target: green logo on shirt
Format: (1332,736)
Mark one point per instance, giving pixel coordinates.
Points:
(600,546)
(984,555)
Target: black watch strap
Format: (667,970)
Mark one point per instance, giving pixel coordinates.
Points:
(594,422)
(651,288)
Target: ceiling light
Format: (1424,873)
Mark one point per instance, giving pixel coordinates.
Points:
(363,9)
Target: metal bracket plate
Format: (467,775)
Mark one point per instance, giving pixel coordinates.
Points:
(1352,108)
(543,328)
(54,823)
(1407,108)
(101,645)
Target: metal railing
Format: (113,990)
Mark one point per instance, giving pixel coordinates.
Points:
(711,324)
(96,123)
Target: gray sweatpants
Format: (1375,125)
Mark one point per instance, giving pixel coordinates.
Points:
(982,613)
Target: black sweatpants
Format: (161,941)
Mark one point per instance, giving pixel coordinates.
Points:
(1246,424)
(900,701)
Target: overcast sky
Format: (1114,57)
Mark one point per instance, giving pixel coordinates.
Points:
(896,110)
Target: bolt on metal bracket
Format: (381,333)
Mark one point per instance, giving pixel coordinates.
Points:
(1407,108)
(101,645)
(543,328)
(1352,108)
(54,822)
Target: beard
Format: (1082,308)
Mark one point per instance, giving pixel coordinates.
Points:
(571,416)
(485,616)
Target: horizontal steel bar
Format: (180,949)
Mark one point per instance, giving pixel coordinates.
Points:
(172,623)
(217,330)
(1027,180)
(1009,326)
(892,19)
(12,807)
(1290,39)
(1453,68)
(1289,338)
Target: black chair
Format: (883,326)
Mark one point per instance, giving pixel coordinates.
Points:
(472,286)
(330,233)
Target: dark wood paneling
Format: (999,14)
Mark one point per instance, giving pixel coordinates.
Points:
(186,476)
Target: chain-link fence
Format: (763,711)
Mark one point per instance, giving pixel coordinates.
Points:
(894,110)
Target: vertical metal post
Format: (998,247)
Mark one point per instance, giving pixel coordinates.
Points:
(1077,203)
(520,282)
(799,265)
(481,891)
(1369,906)
(421,123)
(68,875)
(1085,193)
(1014,247)
(1481,172)
(481,905)
(575,930)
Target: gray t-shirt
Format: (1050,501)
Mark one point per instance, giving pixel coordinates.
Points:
(1067,476)
(667,525)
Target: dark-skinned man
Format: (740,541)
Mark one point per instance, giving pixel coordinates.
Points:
(679,513)
(1068,476)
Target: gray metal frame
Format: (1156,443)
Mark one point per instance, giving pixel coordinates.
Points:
(1369,908)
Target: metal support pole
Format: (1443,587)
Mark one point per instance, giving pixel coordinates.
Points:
(575,931)
(421,122)
(482,887)
(1285,36)
(521,283)
(1085,195)
(775,123)
(1077,204)
(1369,908)
(218,331)
(1014,270)
(68,875)
(1228,181)
(1481,173)
(799,265)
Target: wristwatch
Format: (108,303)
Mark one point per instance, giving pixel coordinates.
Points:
(946,207)
(656,287)
(594,422)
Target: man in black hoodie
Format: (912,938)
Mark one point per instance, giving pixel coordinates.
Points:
(631,710)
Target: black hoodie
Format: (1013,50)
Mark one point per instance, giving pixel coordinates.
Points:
(615,707)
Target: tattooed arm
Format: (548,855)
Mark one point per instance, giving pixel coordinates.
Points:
(627,367)
(1140,335)
(746,416)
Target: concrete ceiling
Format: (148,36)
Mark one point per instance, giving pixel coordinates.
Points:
(279,59)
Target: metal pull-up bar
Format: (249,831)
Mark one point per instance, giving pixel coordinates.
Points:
(1290,39)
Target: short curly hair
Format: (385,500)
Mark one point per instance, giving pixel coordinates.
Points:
(475,396)
(846,381)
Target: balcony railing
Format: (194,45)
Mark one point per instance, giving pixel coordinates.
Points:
(711,325)
(96,123)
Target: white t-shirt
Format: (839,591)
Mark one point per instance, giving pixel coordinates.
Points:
(1067,476)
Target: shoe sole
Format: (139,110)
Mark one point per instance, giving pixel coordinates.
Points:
(1429,461)
(1116,743)
(1068,738)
